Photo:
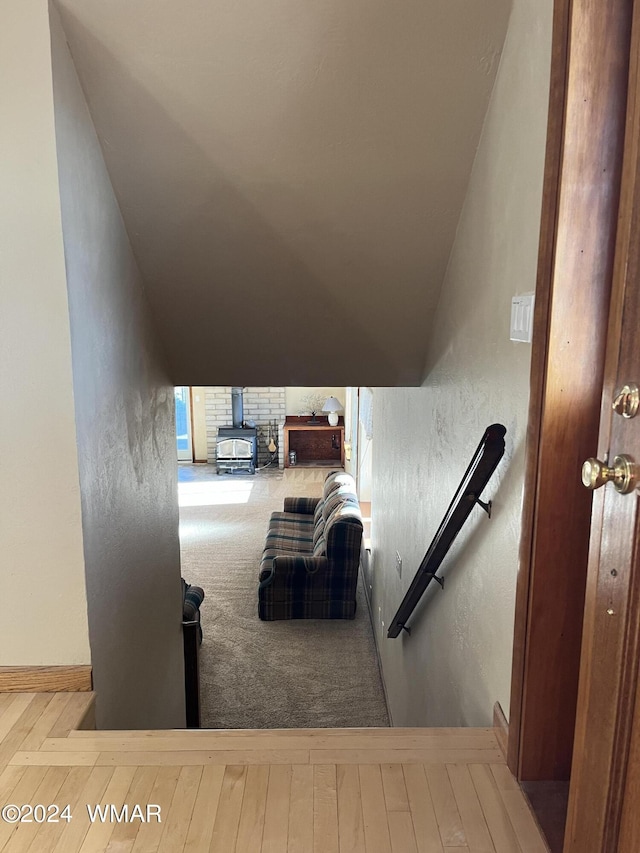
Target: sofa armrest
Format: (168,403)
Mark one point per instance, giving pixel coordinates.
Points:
(299,587)
(306,506)
(290,571)
(192,598)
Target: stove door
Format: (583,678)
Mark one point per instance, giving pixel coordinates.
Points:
(234,448)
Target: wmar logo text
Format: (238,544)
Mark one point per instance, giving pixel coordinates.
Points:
(110,813)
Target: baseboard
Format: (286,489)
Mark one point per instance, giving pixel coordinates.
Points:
(501,728)
(375,642)
(45,679)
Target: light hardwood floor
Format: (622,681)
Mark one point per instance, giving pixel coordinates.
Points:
(285,791)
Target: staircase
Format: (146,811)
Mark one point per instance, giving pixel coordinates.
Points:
(293,791)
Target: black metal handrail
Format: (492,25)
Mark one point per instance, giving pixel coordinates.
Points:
(483,463)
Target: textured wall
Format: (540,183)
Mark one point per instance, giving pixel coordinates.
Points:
(296,169)
(43,609)
(457,662)
(125,435)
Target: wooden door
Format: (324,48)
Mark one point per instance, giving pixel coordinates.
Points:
(604,801)
(585,141)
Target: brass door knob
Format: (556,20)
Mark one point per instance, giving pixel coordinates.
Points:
(623,474)
(627,401)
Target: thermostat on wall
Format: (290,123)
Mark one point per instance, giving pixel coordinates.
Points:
(522,318)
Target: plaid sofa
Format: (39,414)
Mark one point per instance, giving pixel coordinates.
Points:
(311,557)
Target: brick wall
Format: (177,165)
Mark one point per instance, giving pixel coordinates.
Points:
(262,405)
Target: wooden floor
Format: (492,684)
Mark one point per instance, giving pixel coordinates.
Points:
(291,791)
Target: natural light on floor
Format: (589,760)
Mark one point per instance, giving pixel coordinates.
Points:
(214,493)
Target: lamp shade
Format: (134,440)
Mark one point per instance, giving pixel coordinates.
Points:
(333,406)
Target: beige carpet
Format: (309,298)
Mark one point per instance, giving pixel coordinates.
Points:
(298,673)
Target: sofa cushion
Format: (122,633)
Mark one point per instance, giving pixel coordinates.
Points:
(290,539)
(289,531)
(278,518)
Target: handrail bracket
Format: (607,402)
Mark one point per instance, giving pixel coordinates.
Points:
(486,506)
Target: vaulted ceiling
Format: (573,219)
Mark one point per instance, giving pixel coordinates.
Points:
(290,172)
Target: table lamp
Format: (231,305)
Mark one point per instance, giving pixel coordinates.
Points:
(333,406)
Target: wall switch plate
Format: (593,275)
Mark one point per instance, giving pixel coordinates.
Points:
(522,318)
(398,564)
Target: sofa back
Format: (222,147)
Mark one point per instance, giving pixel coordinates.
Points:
(341,524)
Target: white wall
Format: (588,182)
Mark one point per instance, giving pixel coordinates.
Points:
(199,424)
(43,610)
(457,662)
(295,395)
(365,464)
(125,434)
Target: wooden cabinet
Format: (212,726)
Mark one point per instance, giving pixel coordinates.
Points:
(315,444)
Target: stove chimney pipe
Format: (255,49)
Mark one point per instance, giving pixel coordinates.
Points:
(237,407)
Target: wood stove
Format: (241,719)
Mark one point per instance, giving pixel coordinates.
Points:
(237,445)
(237,449)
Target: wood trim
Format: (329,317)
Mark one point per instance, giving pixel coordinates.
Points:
(302,422)
(501,728)
(45,679)
(539,355)
(193,441)
(629,840)
(586,130)
(367,598)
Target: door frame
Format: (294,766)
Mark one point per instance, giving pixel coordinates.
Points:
(588,90)
(189,457)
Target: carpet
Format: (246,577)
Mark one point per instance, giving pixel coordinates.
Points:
(289,674)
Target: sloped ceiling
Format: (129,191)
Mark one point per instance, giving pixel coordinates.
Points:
(290,172)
